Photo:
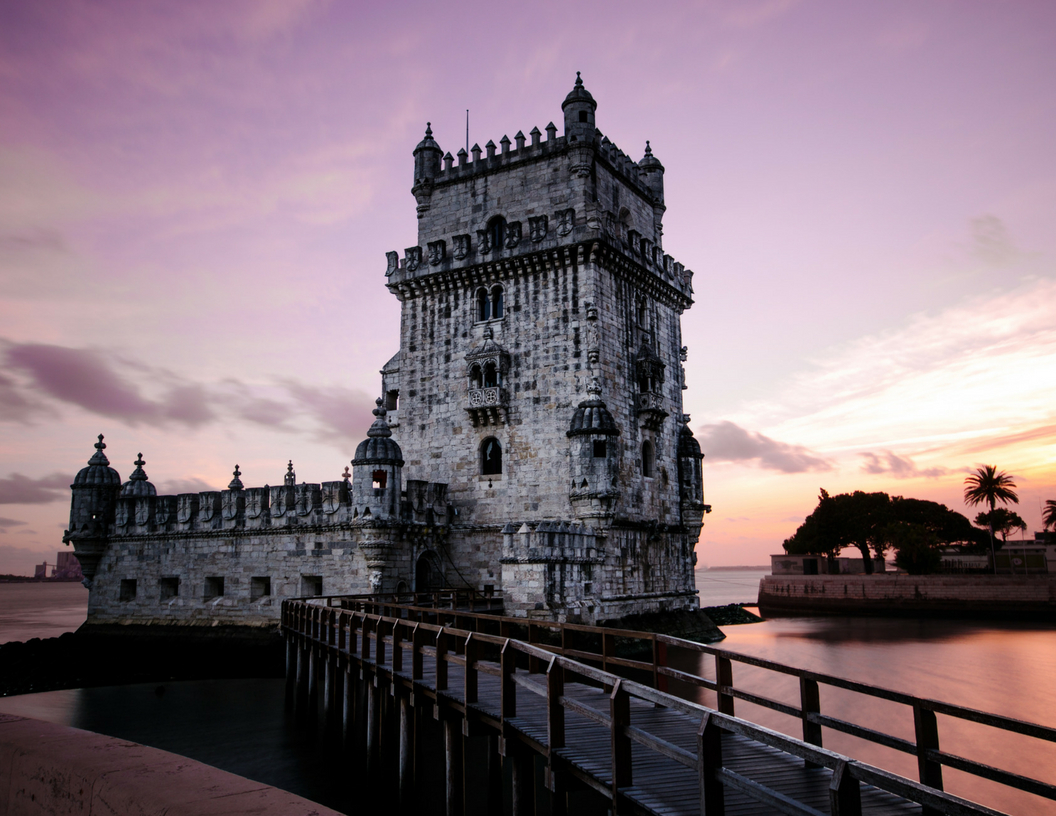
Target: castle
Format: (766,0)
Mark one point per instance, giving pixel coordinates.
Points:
(530,435)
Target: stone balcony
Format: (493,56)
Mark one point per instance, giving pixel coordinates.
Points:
(650,408)
(487,406)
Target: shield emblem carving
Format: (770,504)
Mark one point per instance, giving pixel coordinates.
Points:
(165,509)
(207,505)
(279,501)
(392,260)
(304,499)
(143,510)
(564,221)
(414,258)
(537,227)
(121,515)
(332,496)
(186,507)
(230,504)
(483,242)
(436,252)
(513,234)
(256,501)
(461,246)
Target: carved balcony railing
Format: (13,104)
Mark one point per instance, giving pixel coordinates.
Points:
(650,409)
(487,406)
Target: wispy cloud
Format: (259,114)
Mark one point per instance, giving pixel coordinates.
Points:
(728,442)
(19,489)
(6,522)
(901,467)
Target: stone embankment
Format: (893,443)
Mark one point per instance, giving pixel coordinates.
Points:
(984,596)
(51,769)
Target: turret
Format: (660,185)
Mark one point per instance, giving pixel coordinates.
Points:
(690,477)
(377,472)
(137,498)
(579,107)
(95,491)
(595,458)
(427,158)
(652,173)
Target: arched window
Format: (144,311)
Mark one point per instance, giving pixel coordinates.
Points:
(475,378)
(490,457)
(483,305)
(497,302)
(497,232)
(491,375)
(647,459)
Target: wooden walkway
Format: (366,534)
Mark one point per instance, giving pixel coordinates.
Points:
(641,749)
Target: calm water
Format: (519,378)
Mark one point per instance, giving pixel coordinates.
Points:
(241,725)
(41,610)
(722,587)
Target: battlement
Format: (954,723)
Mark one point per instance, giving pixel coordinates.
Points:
(287,506)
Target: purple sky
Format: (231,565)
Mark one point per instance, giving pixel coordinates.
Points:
(196,199)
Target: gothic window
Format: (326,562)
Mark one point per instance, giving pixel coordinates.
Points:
(490,457)
(497,302)
(483,305)
(647,459)
(497,232)
(490,305)
(491,375)
(475,378)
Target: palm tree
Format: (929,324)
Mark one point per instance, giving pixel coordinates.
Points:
(988,485)
(1048,515)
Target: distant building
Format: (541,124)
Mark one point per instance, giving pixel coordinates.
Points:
(530,434)
(40,571)
(67,567)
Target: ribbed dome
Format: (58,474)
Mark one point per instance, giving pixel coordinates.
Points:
(428,143)
(592,417)
(137,484)
(98,471)
(649,160)
(378,448)
(578,94)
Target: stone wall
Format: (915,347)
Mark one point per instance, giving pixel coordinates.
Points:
(949,595)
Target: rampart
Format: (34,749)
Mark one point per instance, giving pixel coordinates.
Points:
(51,769)
(985,596)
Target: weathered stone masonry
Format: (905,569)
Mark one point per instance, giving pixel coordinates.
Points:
(535,408)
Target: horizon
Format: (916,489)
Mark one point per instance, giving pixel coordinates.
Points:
(196,202)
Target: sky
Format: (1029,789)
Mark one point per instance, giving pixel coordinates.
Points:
(196,200)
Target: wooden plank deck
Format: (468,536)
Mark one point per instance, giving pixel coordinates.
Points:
(660,785)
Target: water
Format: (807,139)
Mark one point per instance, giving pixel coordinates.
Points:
(41,610)
(241,725)
(719,587)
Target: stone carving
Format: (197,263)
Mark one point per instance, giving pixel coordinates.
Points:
(461,246)
(122,514)
(304,499)
(256,501)
(207,504)
(280,502)
(564,222)
(483,242)
(143,510)
(537,227)
(186,507)
(166,509)
(513,234)
(414,258)
(436,252)
(392,262)
(229,504)
(333,496)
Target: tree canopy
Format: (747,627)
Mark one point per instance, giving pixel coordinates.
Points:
(874,522)
(1001,520)
(1048,517)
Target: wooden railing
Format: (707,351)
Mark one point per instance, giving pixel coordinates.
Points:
(496,645)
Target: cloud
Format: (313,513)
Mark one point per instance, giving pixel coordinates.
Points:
(26,532)
(898,466)
(173,487)
(991,242)
(6,522)
(19,489)
(345,412)
(728,442)
(15,406)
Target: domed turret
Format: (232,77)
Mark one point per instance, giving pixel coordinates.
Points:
(95,492)
(427,156)
(377,471)
(595,458)
(579,107)
(690,476)
(651,171)
(137,484)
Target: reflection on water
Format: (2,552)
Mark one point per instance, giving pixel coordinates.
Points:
(1001,668)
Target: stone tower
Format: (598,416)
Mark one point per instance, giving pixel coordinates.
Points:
(539,373)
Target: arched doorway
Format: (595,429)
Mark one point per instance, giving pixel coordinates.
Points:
(428,574)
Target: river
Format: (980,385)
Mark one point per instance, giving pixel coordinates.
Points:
(1006,668)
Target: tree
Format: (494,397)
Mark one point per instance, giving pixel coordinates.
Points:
(1001,520)
(916,547)
(816,535)
(988,485)
(1048,516)
(845,520)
